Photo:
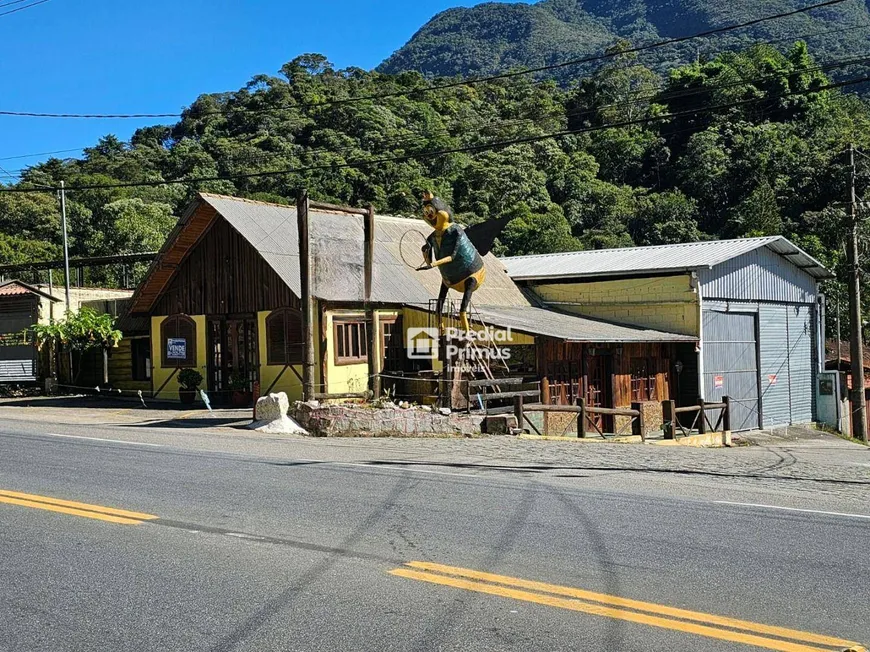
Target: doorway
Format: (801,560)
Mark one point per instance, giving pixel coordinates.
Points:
(233,360)
(598,389)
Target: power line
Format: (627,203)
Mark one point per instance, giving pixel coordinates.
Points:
(14,2)
(12,11)
(652,95)
(455,150)
(57,151)
(447,85)
(644,96)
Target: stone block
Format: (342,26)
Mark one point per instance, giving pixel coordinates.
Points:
(499,424)
(270,415)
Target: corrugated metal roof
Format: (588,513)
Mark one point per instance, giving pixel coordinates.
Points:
(19,288)
(663,258)
(573,328)
(337,254)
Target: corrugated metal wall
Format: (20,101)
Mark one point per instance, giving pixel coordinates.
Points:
(760,275)
(784,297)
(731,364)
(801,363)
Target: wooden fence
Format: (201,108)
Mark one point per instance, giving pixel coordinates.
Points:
(583,413)
(672,423)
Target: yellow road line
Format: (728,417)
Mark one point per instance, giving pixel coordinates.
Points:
(617,601)
(73,508)
(655,619)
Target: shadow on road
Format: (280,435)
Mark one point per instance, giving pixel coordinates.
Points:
(273,606)
(543,468)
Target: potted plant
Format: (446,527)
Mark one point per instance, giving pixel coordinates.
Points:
(189,380)
(241,395)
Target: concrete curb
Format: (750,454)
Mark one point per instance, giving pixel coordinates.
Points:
(708,440)
(629,439)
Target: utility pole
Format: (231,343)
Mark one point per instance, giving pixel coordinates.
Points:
(303,225)
(65,246)
(859,413)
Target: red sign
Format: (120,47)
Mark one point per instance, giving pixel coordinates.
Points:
(718,382)
(771,379)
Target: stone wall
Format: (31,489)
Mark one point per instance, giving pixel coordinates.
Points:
(652,419)
(349,420)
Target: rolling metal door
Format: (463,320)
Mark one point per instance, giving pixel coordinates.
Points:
(786,364)
(17,361)
(774,346)
(731,364)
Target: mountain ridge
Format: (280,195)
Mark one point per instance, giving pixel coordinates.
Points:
(493,37)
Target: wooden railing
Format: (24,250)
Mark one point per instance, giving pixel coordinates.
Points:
(701,422)
(583,412)
(481,393)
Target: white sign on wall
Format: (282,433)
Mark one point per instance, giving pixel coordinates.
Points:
(176,348)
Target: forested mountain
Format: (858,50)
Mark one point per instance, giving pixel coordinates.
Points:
(494,37)
(747,143)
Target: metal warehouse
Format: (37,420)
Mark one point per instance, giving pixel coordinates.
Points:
(753,304)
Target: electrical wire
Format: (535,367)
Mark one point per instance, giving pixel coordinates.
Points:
(446,131)
(447,85)
(447,151)
(652,94)
(12,11)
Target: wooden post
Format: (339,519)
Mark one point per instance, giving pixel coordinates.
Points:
(726,414)
(105,366)
(581,418)
(669,418)
(545,391)
(307,301)
(374,357)
(702,418)
(518,411)
(637,425)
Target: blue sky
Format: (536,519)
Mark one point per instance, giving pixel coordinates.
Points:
(154,56)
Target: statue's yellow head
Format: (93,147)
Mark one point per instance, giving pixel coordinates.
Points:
(436,212)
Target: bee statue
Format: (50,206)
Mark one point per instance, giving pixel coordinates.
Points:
(457,253)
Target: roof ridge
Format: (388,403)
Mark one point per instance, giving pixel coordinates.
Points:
(760,239)
(257,202)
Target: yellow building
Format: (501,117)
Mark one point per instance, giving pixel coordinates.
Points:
(222,298)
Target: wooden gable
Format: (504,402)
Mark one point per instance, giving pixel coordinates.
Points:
(208,268)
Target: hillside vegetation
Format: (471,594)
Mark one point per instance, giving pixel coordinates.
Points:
(494,37)
(754,145)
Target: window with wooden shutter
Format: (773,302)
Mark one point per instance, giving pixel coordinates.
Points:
(178,341)
(284,337)
(351,342)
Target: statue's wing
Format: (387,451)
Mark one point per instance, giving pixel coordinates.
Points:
(482,235)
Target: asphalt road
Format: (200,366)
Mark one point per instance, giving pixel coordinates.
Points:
(240,551)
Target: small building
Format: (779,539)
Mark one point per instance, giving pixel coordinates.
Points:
(21,306)
(223,297)
(753,305)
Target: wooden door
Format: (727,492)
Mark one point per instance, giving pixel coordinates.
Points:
(233,362)
(598,389)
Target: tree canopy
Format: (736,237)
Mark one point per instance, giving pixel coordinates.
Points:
(679,168)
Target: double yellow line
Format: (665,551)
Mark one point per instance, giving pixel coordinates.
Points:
(73,508)
(610,606)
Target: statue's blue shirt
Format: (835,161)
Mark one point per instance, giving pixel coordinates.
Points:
(466,259)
